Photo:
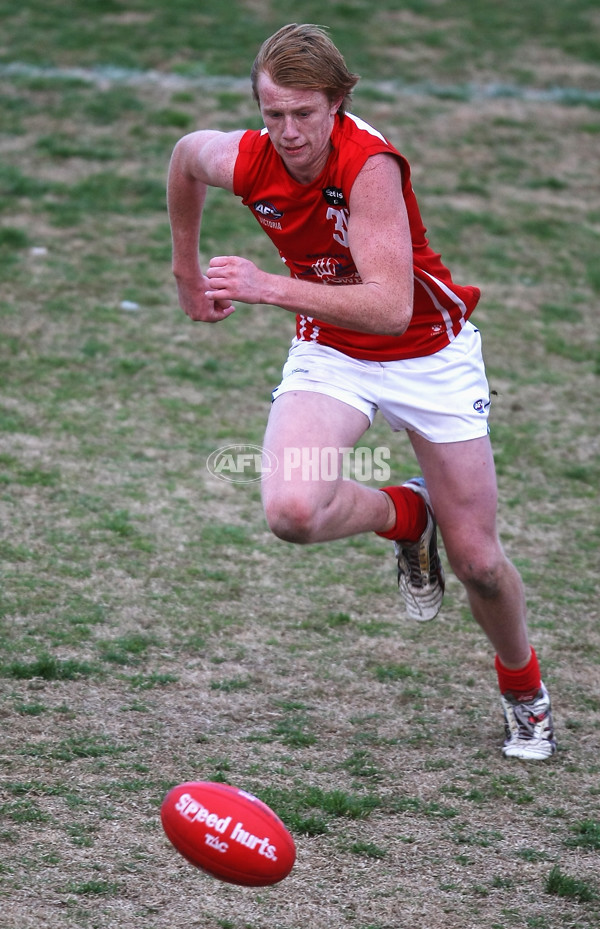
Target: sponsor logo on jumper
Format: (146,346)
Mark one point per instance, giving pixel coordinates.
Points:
(267,214)
(334,196)
(330,271)
(326,268)
(267,209)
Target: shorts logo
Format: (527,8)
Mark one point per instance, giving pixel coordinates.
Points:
(267,209)
(334,196)
(481,406)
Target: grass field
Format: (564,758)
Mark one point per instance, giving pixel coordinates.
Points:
(151,629)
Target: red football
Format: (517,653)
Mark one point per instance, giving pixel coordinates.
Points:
(228,833)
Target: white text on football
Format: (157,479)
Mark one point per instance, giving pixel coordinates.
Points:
(196,813)
(240,835)
(213,842)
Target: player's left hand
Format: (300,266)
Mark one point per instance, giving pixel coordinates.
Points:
(234,278)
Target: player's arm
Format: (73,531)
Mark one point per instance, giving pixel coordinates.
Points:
(200,160)
(380,241)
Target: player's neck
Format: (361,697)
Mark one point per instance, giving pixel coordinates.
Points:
(307,174)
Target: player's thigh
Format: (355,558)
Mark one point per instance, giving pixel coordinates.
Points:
(301,425)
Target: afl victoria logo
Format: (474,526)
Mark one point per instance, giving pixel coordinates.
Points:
(267,209)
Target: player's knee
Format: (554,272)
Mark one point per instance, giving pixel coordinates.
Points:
(480,569)
(291,517)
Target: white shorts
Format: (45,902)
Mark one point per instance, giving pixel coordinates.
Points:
(443,397)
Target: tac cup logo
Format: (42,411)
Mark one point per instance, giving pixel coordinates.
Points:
(242,464)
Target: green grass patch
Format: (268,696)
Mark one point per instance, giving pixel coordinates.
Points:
(563,885)
(586,834)
(48,668)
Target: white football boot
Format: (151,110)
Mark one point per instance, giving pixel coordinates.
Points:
(420,574)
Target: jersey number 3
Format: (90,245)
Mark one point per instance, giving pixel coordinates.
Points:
(340,217)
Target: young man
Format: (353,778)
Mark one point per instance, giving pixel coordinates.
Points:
(389,331)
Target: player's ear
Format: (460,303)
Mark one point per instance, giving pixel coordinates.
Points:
(336,104)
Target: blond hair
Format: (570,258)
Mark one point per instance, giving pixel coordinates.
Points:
(304,56)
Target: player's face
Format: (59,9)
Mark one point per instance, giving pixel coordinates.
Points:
(299,123)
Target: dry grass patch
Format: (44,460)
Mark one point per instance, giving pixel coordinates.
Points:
(152,630)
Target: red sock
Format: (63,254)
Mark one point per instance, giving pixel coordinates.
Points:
(411,515)
(524,682)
